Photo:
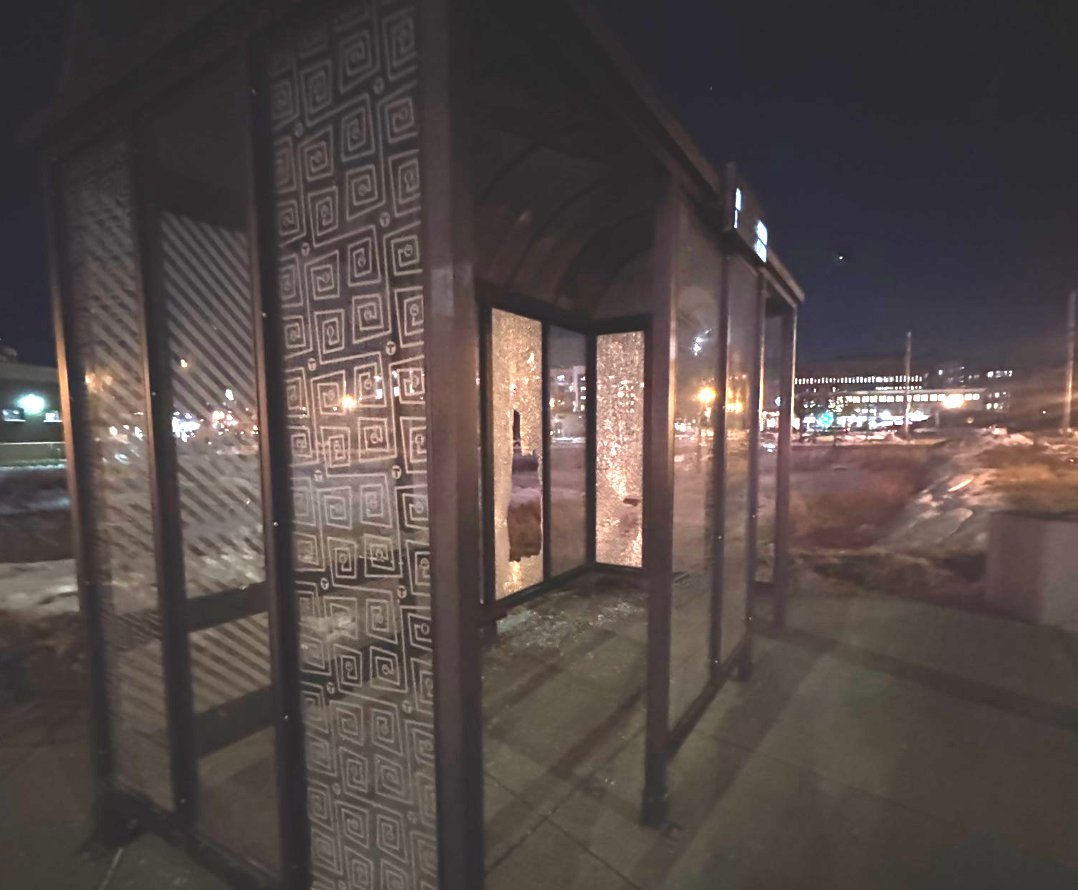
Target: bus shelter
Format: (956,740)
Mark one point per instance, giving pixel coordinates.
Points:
(376,321)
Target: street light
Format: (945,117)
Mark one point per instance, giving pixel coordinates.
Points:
(32,404)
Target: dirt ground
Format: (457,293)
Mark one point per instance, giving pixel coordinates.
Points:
(912,520)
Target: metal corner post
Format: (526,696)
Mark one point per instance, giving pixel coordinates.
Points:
(290,761)
(451,345)
(544,385)
(717,518)
(784,458)
(74,408)
(661,355)
(591,418)
(487,591)
(164,478)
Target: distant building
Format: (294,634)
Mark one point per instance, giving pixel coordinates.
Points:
(871,393)
(29,403)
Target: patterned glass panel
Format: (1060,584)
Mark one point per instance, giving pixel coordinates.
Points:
(699,268)
(619,448)
(197,177)
(100,255)
(568,390)
(343,104)
(517,421)
(742,351)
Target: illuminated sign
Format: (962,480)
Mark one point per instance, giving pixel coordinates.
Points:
(744,216)
(761,241)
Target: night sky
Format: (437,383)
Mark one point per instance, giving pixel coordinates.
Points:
(933,145)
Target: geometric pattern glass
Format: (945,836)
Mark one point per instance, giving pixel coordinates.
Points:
(343,110)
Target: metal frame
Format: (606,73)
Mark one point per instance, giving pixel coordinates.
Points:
(118,814)
(277,502)
(453,414)
(780,583)
(164,479)
(659,508)
(663,738)
(74,410)
(488,299)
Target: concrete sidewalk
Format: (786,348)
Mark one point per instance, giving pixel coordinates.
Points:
(880,743)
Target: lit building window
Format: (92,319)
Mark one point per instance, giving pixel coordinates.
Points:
(761,241)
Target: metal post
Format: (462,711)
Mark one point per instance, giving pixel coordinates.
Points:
(909,386)
(285,672)
(544,470)
(717,519)
(661,355)
(1068,391)
(79,479)
(783,460)
(451,346)
(164,477)
(591,375)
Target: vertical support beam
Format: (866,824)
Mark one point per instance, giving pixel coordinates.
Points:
(486,439)
(718,465)
(907,368)
(784,457)
(453,413)
(544,478)
(591,373)
(1068,389)
(752,534)
(164,478)
(75,414)
(661,355)
(290,763)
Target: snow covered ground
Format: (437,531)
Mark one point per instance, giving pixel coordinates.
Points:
(934,547)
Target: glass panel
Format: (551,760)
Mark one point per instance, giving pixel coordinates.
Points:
(100,254)
(769,439)
(699,267)
(343,102)
(567,385)
(517,434)
(742,351)
(619,448)
(197,183)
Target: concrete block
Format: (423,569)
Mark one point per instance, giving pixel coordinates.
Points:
(1033,566)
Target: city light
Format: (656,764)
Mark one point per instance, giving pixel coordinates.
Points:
(953,400)
(32,404)
(706,396)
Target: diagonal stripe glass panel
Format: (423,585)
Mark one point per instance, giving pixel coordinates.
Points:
(197,180)
(100,254)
